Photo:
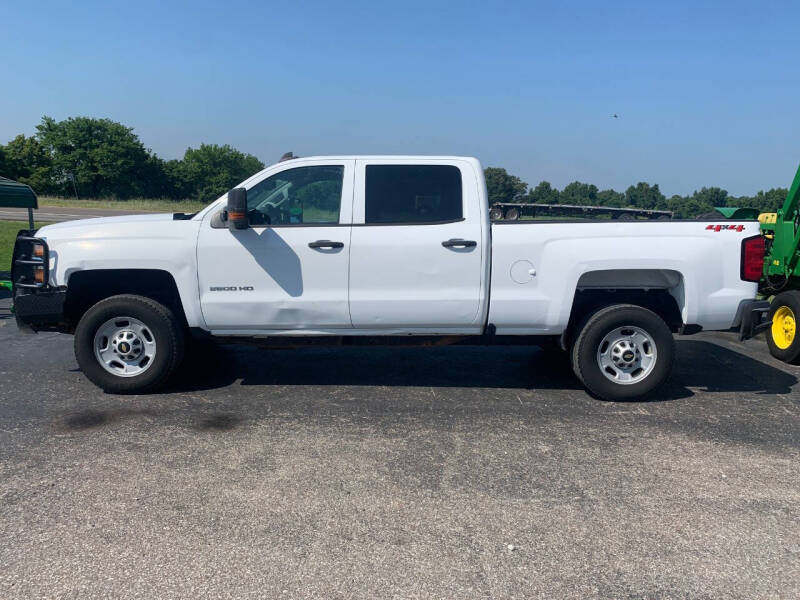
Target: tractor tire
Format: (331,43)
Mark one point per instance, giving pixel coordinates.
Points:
(782,339)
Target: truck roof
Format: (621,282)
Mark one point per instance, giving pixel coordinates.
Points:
(382,157)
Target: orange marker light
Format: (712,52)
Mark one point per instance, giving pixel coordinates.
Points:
(38,251)
(38,275)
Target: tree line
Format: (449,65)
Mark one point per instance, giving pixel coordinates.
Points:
(503,187)
(85,157)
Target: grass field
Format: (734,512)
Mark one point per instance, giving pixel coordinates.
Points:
(137,204)
(8,232)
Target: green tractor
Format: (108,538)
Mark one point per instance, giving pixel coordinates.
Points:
(781,280)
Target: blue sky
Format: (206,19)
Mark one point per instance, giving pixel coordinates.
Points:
(706,92)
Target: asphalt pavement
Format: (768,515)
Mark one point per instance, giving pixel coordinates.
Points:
(54,214)
(398,473)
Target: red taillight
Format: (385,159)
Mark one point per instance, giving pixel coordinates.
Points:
(753,249)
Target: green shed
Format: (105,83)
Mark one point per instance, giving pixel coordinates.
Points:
(18,195)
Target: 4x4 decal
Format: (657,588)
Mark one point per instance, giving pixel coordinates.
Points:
(725,227)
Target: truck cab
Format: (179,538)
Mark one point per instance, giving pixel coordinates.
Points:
(368,245)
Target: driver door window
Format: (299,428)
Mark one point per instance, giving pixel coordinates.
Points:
(302,196)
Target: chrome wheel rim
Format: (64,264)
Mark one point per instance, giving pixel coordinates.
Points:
(124,346)
(627,355)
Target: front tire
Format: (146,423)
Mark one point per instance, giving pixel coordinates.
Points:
(623,352)
(129,344)
(782,339)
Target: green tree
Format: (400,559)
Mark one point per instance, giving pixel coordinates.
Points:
(27,161)
(583,194)
(769,201)
(711,196)
(687,207)
(544,193)
(209,171)
(772,199)
(644,195)
(611,198)
(503,187)
(104,158)
(155,180)
(175,180)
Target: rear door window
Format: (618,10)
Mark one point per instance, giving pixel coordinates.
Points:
(413,194)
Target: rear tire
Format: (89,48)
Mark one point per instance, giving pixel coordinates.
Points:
(140,341)
(782,339)
(623,352)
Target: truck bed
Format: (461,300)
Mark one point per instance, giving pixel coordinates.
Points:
(538,266)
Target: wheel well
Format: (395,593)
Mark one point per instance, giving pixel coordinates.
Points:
(660,301)
(87,288)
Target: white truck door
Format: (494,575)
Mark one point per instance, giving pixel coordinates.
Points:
(416,254)
(289,269)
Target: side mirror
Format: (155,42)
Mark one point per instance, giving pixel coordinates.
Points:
(237,209)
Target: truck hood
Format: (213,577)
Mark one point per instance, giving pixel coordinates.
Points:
(79,227)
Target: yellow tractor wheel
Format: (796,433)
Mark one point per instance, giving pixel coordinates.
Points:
(782,336)
(784,327)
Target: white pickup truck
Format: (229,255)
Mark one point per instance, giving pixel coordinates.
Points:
(383,249)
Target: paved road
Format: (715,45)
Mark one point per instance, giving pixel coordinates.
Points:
(408,473)
(56,214)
